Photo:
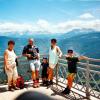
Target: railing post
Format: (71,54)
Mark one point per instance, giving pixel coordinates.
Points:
(87,80)
(57,74)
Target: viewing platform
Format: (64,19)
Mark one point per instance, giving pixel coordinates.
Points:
(86,84)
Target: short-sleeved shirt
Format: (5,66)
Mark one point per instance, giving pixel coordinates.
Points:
(33,50)
(72,64)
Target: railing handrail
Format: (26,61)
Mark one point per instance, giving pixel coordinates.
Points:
(90,59)
(80,63)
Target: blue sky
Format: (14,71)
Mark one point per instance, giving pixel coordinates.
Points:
(47,11)
(52,10)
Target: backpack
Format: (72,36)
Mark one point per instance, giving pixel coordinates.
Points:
(20,82)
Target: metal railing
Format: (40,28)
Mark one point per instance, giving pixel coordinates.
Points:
(87,80)
(86,83)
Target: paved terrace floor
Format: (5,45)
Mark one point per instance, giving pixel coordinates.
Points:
(8,95)
(53,92)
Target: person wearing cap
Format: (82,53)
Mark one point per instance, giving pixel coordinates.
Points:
(72,69)
(10,66)
(54,54)
(32,53)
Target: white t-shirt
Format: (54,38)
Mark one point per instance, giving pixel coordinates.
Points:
(11,57)
(53,56)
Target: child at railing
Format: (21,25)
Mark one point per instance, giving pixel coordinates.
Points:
(45,66)
(72,69)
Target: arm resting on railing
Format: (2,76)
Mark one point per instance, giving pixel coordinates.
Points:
(83,58)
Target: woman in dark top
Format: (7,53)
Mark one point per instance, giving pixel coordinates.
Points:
(45,66)
(72,69)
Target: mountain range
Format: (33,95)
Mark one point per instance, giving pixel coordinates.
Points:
(83,42)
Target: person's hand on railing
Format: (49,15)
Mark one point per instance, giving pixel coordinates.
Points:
(66,55)
(27,55)
(60,56)
(19,56)
(83,58)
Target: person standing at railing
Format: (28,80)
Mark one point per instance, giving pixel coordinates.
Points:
(72,69)
(32,53)
(45,66)
(10,66)
(54,54)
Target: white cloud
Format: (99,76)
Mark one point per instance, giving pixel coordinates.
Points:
(86,16)
(43,26)
(79,24)
(14,27)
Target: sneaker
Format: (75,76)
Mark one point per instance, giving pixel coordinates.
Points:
(34,85)
(43,83)
(15,88)
(10,88)
(48,83)
(51,82)
(66,91)
(37,83)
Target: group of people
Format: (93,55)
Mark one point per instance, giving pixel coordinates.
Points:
(48,64)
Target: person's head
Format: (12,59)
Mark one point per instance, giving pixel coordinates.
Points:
(45,60)
(11,44)
(30,41)
(53,42)
(70,52)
